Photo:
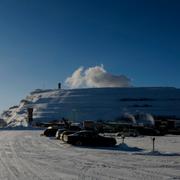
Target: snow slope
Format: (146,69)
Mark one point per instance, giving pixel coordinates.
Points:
(27,155)
(94,104)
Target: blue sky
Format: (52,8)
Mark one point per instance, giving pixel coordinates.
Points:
(44,41)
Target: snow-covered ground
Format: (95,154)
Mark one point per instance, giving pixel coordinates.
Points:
(27,155)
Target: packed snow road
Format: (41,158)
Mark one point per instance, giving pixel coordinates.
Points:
(27,155)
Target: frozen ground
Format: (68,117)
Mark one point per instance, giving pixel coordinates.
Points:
(27,155)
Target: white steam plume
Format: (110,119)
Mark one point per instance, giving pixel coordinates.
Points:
(96,77)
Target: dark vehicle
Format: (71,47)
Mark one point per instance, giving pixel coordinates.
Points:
(64,134)
(50,131)
(89,138)
(59,132)
(74,128)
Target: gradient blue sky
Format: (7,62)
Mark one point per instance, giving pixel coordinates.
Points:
(42,42)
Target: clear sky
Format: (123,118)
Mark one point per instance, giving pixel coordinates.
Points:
(44,41)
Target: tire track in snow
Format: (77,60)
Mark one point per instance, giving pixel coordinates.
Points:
(26,155)
(6,159)
(15,167)
(24,166)
(8,168)
(37,163)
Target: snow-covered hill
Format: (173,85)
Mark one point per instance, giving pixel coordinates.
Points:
(94,104)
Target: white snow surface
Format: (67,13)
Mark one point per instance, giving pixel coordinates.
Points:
(94,104)
(27,155)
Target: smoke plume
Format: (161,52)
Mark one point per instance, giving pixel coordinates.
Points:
(96,77)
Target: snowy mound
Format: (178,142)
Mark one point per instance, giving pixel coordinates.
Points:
(94,104)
